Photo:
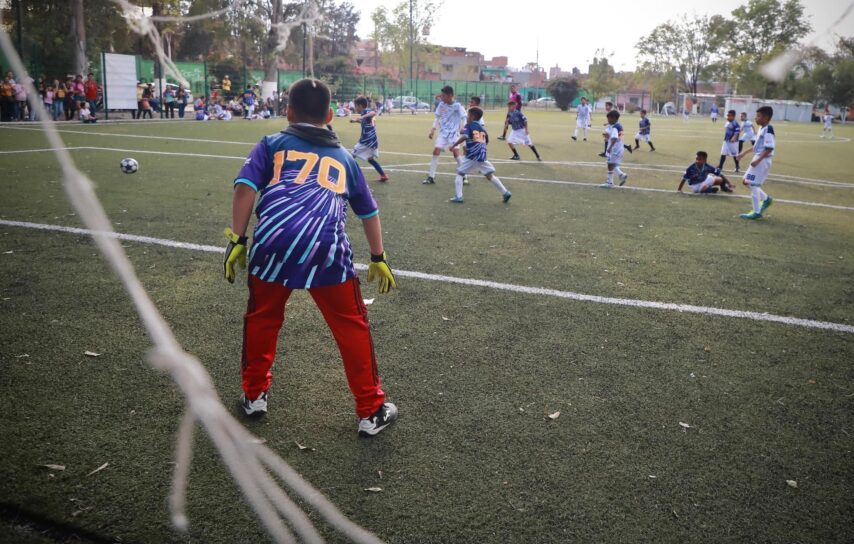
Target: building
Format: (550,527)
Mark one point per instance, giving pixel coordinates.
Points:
(368,57)
(555,72)
(530,78)
(460,65)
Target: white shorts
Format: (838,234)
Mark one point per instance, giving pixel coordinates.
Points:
(708,182)
(365,153)
(519,137)
(644,137)
(828,125)
(250,108)
(616,154)
(714,115)
(467,166)
(755,175)
(730,149)
(446,141)
(582,123)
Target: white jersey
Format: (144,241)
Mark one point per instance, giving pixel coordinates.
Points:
(584,112)
(747,131)
(765,139)
(828,120)
(450,118)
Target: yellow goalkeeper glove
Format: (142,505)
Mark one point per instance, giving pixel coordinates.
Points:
(235,253)
(379,269)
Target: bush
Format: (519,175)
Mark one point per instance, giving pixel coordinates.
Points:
(563,90)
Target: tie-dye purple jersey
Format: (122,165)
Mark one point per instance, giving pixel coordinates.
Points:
(304,188)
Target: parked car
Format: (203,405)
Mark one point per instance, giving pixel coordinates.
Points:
(544,102)
(407,102)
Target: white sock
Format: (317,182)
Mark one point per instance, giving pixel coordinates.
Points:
(584,131)
(618,171)
(434,162)
(610,177)
(575,134)
(497,182)
(755,193)
(459,160)
(458,185)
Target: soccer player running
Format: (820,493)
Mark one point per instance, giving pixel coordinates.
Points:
(517,120)
(729,148)
(760,166)
(368,146)
(609,107)
(827,130)
(614,150)
(582,118)
(476,138)
(307,182)
(644,126)
(703,177)
(450,118)
(515,97)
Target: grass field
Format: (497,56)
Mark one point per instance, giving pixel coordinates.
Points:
(474,369)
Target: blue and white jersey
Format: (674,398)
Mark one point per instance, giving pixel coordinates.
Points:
(731,131)
(450,117)
(249,97)
(695,174)
(369,130)
(644,125)
(476,140)
(615,131)
(714,109)
(305,181)
(765,139)
(584,113)
(746,131)
(517,120)
(619,128)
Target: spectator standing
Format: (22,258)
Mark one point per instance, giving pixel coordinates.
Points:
(182,101)
(20,102)
(58,99)
(7,98)
(90,88)
(169,102)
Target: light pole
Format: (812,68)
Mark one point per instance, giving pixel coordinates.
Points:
(411,40)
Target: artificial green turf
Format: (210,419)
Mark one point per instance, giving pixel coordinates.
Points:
(474,371)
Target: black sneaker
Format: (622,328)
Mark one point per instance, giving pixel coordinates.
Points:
(382,418)
(255,408)
(602,154)
(428,180)
(574,138)
(628,148)
(726,188)
(515,158)
(502,138)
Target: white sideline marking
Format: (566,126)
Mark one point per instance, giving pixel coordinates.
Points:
(635,303)
(48,150)
(644,189)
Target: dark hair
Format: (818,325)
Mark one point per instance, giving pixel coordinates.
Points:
(361,101)
(448,90)
(643,111)
(310,100)
(767,111)
(609,103)
(731,112)
(703,155)
(476,100)
(613,114)
(476,112)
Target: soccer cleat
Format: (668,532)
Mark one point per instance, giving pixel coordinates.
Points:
(457,200)
(576,139)
(623,178)
(506,196)
(465,179)
(382,418)
(502,138)
(515,158)
(602,154)
(751,215)
(585,139)
(257,407)
(727,188)
(767,203)
(606,185)
(628,148)
(383,178)
(429,180)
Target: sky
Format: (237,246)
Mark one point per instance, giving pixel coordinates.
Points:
(568,32)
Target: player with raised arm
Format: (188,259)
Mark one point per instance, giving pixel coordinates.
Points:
(476,139)
(450,118)
(368,146)
(760,166)
(582,118)
(305,182)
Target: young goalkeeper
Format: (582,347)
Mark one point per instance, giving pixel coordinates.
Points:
(305,181)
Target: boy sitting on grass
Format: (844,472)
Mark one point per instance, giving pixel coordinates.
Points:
(703,177)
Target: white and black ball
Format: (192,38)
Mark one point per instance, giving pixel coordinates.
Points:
(129,166)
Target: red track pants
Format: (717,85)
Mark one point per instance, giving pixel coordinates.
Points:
(345,313)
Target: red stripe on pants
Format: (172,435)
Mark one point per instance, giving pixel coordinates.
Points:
(345,313)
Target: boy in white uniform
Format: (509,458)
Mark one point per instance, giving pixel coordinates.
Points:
(582,119)
(450,117)
(760,166)
(746,131)
(729,147)
(614,150)
(828,125)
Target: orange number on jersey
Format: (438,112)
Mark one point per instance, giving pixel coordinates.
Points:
(278,161)
(323,175)
(311,159)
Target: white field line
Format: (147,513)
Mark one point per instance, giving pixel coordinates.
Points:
(540,291)
(642,189)
(665,167)
(48,150)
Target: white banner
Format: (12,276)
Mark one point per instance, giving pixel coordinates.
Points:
(120,81)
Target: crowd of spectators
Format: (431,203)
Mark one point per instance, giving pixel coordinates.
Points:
(62,99)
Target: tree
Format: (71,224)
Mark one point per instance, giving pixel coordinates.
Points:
(600,75)
(563,90)
(767,26)
(687,47)
(392,31)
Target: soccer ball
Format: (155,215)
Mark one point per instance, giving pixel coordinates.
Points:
(129,166)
